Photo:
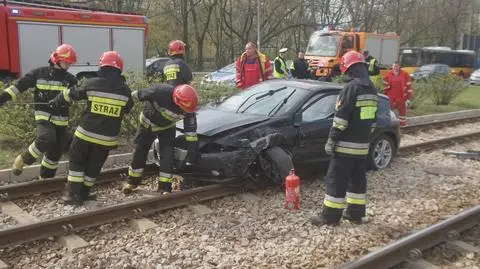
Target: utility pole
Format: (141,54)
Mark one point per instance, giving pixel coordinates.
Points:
(258,24)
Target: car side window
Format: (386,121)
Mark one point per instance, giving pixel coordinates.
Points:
(321,108)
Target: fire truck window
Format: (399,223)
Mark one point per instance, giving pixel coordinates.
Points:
(347,43)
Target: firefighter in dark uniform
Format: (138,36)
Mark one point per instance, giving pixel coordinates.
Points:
(164,105)
(51,131)
(348,144)
(176,71)
(108,99)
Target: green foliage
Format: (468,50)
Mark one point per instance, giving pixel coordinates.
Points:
(441,90)
(18,123)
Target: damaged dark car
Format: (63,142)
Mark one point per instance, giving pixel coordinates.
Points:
(261,133)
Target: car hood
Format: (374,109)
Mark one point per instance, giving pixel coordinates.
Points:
(211,122)
(221,76)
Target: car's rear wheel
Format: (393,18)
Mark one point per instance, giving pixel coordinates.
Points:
(276,165)
(381,154)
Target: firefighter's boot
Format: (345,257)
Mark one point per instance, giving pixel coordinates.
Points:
(164,187)
(87,194)
(131,185)
(353,220)
(17,167)
(73,194)
(320,220)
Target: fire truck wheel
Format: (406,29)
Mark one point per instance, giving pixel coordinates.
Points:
(279,164)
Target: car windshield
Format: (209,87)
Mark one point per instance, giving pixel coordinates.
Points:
(264,99)
(427,68)
(323,45)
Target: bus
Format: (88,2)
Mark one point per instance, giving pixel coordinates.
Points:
(462,62)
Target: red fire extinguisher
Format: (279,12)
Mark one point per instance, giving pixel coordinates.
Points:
(292,191)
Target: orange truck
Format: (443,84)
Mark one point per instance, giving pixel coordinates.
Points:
(326,47)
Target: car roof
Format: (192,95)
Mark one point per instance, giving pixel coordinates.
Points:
(311,85)
(435,65)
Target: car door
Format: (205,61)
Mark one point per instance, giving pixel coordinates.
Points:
(316,120)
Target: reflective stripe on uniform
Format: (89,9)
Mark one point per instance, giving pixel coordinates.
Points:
(89,181)
(171,68)
(165,177)
(367,97)
(107,95)
(352,148)
(191,136)
(49,163)
(50,85)
(169,115)
(57,120)
(340,123)
(76,176)
(66,96)
(356,198)
(13,91)
(361,103)
(107,100)
(34,151)
(96,138)
(330,201)
(135,172)
(145,122)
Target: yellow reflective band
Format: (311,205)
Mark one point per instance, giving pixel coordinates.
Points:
(104,100)
(368,112)
(59,122)
(106,109)
(191,138)
(48,87)
(168,117)
(134,174)
(165,179)
(354,201)
(12,90)
(334,204)
(361,103)
(351,151)
(34,151)
(88,184)
(76,178)
(66,96)
(156,128)
(96,140)
(49,165)
(339,126)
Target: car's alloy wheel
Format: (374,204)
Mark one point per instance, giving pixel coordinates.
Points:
(381,152)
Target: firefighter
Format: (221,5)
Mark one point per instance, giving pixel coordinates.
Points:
(280,66)
(108,99)
(373,70)
(176,71)
(398,87)
(348,144)
(164,105)
(51,124)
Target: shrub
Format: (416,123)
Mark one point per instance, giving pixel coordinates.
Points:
(442,90)
(18,124)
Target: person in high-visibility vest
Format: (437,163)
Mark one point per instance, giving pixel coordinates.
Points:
(373,70)
(280,66)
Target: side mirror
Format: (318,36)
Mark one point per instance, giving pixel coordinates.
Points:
(297,119)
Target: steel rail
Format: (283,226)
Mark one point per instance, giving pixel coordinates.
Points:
(411,247)
(416,127)
(68,224)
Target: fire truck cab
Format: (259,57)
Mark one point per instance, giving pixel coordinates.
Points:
(30,31)
(326,47)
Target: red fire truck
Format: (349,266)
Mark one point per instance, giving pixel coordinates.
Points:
(31,30)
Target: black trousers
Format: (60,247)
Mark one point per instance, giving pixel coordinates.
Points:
(346,178)
(50,141)
(86,161)
(143,142)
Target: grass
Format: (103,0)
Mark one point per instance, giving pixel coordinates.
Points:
(469,99)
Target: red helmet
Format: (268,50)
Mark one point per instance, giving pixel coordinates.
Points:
(64,53)
(111,58)
(185,96)
(176,47)
(350,58)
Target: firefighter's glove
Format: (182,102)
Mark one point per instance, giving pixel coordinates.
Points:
(330,147)
(193,154)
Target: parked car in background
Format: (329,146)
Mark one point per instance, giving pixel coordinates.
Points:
(429,70)
(261,133)
(475,77)
(154,66)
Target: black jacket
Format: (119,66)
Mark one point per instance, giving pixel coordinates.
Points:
(48,83)
(109,98)
(160,112)
(176,72)
(300,68)
(355,114)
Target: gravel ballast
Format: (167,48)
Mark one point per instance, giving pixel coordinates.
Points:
(262,234)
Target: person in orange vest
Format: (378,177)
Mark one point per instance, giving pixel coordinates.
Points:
(398,87)
(252,67)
